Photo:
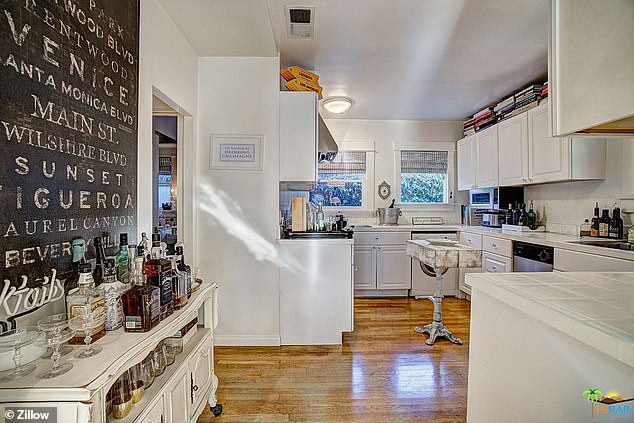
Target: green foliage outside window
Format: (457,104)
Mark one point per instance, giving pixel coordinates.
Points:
(423,188)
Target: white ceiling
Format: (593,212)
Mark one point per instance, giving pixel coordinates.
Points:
(396,59)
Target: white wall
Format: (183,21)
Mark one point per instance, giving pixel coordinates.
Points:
(565,205)
(168,63)
(237,211)
(384,133)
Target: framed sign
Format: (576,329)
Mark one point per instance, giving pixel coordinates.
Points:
(68,125)
(236,152)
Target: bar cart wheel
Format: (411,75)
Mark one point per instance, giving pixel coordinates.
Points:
(216,410)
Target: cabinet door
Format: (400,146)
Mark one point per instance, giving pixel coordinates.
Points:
(487,158)
(298,136)
(549,158)
(462,285)
(466,163)
(156,413)
(365,268)
(177,398)
(393,268)
(513,150)
(200,368)
(495,263)
(591,63)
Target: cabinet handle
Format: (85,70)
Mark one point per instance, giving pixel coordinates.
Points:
(195,388)
(494,245)
(494,268)
(356,268)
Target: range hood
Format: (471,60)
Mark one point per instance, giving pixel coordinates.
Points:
(326,147)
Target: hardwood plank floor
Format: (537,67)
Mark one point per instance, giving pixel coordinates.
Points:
(383,372)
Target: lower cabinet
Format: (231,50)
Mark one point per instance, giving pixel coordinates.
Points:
(155,413)
(364,268)
(177,400)
(382,267)
(200,374)
(495,263)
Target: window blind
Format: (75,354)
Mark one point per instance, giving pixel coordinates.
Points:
(165,165)
(424,161)
(345,162)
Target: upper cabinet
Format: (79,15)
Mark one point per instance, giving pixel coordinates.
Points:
(466,163)
(591,67)
(487,157)
(520,151)
(298,136)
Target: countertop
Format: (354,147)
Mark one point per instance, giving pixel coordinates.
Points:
(597,309)
(542,238)
(320,241)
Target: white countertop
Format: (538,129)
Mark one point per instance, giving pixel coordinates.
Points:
(594,308)
(542,238)
(320,241)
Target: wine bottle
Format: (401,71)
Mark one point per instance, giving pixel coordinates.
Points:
(604,223)
(594,226)
(616,224)
(523,218)
(531,217)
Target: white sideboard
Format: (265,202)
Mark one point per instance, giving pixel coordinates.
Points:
(176,396)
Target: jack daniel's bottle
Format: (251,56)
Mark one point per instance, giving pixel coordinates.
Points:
(159,274)
(141,304)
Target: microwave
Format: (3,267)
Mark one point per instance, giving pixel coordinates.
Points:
(485,198)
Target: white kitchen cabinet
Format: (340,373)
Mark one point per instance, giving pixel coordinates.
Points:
(200,378)
(298,136)
(561,159)
(513,150)
(466,157)
(471,240)
(495,263)
(393,268)
(590,66)
(364,268)
(177,400)
(463,286)
(487,158)
(316,291)
(154,413)
(576,261)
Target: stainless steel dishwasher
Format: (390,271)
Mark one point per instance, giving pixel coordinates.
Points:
(532,257)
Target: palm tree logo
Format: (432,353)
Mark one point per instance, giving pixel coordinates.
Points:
(592,395)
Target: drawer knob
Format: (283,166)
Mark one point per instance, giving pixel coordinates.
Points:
(494,245)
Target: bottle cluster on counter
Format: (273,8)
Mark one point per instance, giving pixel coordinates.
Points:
(517,215)
(136,289)
(604,226)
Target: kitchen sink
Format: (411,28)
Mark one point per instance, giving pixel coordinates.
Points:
(617,245)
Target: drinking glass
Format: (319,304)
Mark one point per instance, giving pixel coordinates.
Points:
(148,371)
(138,375)
(159,361)
(170,353)
(176,343)
(16,339)
(121,394)
(86,324)
(55,323)
(54,340)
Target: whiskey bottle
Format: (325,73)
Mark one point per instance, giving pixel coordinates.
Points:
(616,224)
(182,267)
(97,274)
(84,300)
(179,279)
(78,249)
(604,223)
(112,290)
(141,303)
(159,274)
(122,259)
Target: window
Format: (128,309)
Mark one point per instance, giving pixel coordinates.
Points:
(424,177)
(343,183)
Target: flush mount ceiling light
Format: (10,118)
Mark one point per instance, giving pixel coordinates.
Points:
(337,104)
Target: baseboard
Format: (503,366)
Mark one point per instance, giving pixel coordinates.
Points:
(246,341)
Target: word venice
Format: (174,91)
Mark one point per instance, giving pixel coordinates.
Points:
(68,116)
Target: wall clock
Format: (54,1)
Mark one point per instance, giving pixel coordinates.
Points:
(384,190)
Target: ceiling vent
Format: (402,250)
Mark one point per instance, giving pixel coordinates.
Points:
(300,21)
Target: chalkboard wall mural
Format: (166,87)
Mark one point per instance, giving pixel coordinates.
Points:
(68,136)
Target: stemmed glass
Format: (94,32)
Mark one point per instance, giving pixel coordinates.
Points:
(86,324)
(55,323)
(54,340)
(16,339)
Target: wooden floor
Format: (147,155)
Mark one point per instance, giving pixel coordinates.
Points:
(383,372)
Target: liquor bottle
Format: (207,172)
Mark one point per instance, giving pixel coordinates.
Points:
(616,224)
(84,300)
(159,272)
(145,245)
(184,268)
(122,259)
(320,217)
(130,264)
(604,223)
(78,249)
(594,227)
(113,289)
(98,273)
(523,217)
(515,214)
(141,303)
(509,215)
(531,219)
(584,229)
